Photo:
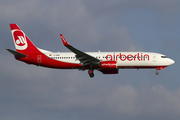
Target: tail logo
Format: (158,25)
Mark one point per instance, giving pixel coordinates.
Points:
(19,39)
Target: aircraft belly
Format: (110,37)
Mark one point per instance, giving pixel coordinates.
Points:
(134,63)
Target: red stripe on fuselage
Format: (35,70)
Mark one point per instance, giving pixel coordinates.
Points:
(140,67)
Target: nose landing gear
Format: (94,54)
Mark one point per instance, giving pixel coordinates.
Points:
(157,72)
(159,68)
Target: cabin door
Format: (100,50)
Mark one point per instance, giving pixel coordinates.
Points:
(39,58)
(154,58)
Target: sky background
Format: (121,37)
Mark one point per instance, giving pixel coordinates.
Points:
(28,92)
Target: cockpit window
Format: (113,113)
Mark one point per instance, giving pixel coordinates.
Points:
(163,56)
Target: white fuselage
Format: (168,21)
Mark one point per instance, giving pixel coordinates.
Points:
(124,59)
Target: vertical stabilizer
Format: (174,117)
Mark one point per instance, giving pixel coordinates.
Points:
(21,41)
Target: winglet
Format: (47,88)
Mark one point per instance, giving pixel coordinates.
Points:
(64,40)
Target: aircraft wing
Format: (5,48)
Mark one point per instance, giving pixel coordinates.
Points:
(84,58)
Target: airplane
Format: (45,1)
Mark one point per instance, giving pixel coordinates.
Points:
(105,62)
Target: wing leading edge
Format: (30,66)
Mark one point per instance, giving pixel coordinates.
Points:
(84,58)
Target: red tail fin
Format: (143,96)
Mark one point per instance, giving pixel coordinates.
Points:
(21,41)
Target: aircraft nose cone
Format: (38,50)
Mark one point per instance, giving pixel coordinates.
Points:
(170,61)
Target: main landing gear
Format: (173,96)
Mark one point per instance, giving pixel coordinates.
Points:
(91,74)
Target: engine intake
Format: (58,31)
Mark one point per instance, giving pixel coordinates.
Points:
(113,71)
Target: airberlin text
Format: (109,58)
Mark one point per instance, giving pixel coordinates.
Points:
(129,57)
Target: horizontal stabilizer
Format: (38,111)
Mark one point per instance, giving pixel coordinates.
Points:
(16,54)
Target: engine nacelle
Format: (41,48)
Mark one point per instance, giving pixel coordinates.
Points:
(113,71)
(108,65)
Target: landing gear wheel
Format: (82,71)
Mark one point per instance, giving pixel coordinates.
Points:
(91,74)
(157,73)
